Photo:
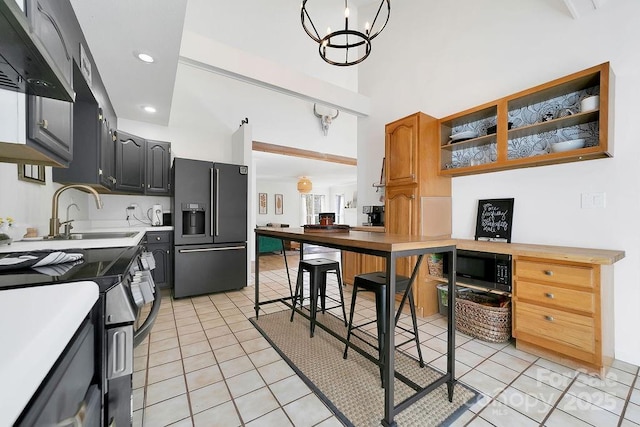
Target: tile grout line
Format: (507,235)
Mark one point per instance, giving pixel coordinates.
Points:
(555,405)
(494,399)
(626,403)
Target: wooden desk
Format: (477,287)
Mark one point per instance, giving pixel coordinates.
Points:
(390,247)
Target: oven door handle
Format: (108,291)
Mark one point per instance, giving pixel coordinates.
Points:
(142,332)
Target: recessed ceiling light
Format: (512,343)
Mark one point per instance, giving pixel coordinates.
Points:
(149,109)
(145,57)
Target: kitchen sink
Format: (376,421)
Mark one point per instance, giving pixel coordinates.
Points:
(98,235)
(103,235)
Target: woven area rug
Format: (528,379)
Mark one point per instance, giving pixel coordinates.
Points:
(351,387)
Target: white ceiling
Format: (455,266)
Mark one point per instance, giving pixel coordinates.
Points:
(117,32)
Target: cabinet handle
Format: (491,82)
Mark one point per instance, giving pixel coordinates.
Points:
(112,422)
(412,196)
(549,295)
(548,272)
(413,176)
(157,238)
(44,124)
(77,420)
(548,318)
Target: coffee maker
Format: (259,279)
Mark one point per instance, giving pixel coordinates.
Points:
(375,215)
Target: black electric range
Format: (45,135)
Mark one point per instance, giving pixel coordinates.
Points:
(105,266)
(116,315)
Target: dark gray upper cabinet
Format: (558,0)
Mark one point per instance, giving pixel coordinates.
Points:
(50,121)
(158,168)
(130,163)
(107,172)
(27,64)
(93,153)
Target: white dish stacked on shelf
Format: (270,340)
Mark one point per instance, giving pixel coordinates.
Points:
(569,145)
(463,136)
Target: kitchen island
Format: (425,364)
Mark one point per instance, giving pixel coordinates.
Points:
(391,247)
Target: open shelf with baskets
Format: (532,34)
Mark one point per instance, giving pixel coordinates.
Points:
(522,130)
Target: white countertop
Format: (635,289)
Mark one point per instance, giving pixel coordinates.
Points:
(36,324)
(36,245)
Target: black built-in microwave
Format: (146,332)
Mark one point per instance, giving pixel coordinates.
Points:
(485,269)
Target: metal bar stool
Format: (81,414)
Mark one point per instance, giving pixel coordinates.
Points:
(318,269)
(377,283)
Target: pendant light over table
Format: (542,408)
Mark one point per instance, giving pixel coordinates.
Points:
(304,185)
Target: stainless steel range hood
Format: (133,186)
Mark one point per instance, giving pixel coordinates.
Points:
(25,65)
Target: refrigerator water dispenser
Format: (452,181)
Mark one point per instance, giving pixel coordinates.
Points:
(192,219)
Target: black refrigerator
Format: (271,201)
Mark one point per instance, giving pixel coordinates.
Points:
(210,227)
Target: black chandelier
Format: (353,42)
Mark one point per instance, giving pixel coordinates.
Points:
(347,41)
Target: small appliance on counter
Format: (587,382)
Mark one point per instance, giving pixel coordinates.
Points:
(156,215)
(375,214)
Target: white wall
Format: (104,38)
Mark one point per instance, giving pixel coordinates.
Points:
(444,65)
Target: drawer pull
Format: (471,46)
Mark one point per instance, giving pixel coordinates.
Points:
(158,238)
(549,295)
(548,273)
(548,318)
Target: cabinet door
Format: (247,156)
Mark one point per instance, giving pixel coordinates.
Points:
(401,212)
(107,154)
(130,163)
(162,273)
(158,167)
(401,209)
(51,121)
(401,151)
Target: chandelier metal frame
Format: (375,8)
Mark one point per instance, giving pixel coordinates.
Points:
(345,38)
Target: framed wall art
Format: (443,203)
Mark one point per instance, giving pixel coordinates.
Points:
(262,203)
(279,202)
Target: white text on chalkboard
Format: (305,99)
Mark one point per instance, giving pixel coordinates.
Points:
(493,219)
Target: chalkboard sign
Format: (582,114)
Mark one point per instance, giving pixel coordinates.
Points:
(494,220)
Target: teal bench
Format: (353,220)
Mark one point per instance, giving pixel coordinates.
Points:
(269,244)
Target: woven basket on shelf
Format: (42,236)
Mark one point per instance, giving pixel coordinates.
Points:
(485,322)
(435,266)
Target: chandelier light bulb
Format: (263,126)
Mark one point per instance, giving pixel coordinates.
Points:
(328,30)
(346,12)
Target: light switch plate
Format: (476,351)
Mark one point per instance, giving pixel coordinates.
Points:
(593,200)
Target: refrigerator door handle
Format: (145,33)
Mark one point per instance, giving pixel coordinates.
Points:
(217,200)
(211,201)
(226,248)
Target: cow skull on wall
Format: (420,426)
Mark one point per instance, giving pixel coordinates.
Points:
(325,119)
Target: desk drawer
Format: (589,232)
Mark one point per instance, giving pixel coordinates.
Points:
(556,297)
(549,324)
(558,273)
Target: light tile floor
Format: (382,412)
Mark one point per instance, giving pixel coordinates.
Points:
(205,365)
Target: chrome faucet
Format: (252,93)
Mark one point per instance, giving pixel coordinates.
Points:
(54,222)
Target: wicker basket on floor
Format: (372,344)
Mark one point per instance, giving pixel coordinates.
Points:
(477,319)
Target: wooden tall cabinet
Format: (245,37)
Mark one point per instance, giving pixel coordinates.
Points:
(412,174)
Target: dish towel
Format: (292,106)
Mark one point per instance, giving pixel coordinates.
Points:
(36,259)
